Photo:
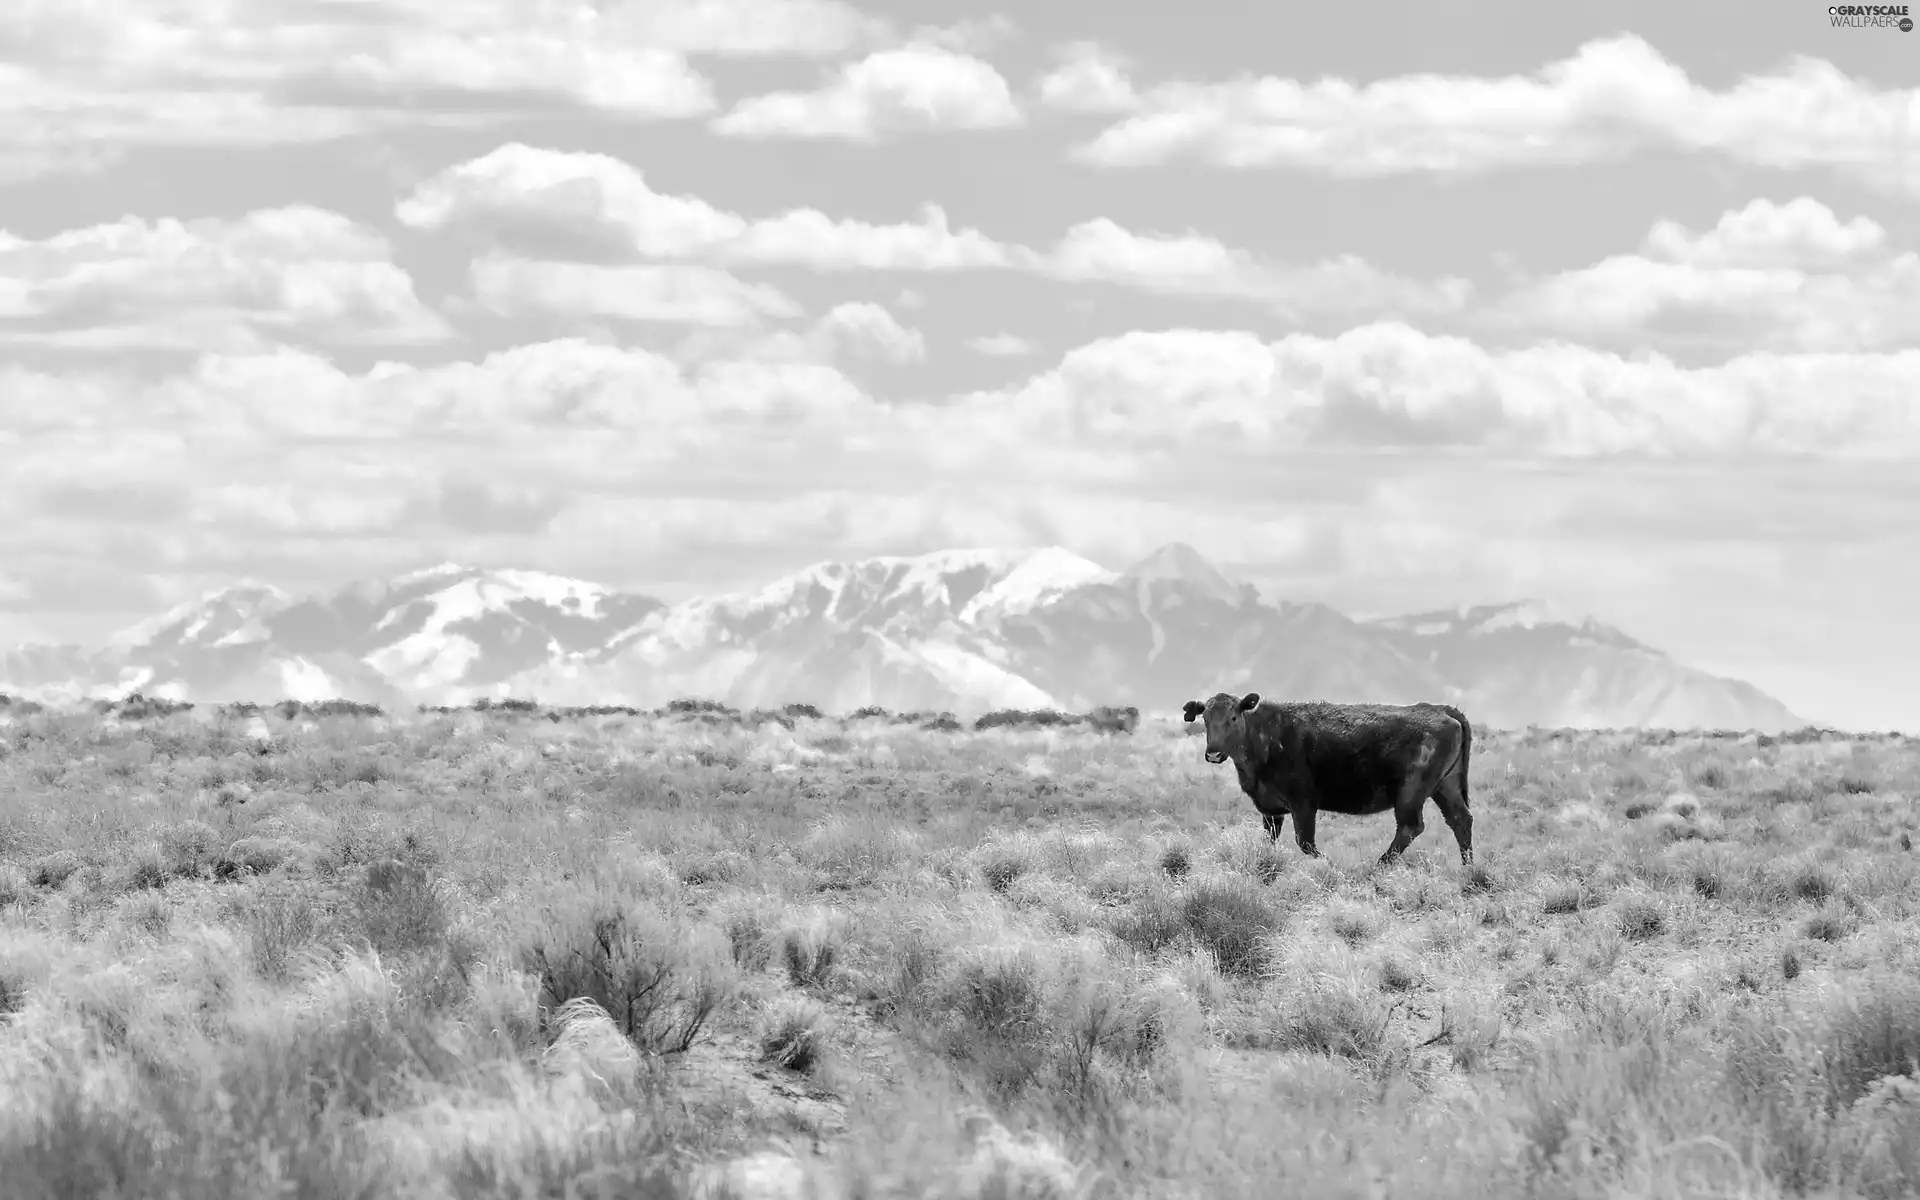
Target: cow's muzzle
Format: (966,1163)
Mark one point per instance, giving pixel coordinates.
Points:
(1216,757)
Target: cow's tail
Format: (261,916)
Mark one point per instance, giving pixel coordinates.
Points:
(1466,746)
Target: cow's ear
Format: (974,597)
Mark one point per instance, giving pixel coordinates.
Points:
(1250,701)
(1193,709)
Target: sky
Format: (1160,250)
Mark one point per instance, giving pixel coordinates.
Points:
(1397,307)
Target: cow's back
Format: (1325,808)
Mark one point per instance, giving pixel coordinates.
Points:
(1359,756)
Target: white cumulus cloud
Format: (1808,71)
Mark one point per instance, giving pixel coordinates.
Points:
(1193,264)
(1088,78)
(1002,345)
(80,84)
(607,206)
(871,329)
(1801,233)
(210,283)
(1791,275)
(676,293)
(918,86)
(1611,97)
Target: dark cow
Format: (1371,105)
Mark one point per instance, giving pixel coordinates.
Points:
(1359,759)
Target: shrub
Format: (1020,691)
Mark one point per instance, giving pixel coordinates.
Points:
(1710,775)
(1002,868)
(1396,975)
(997,1020)
(1176,860)
(1014,718)
(1151,923)
(1564,898)
(1640,918)
(189,847)
(1232,919)
(637,965)
(254,856)
(809,953)
(793,1035)
(52,870)
(144,868)
(281,926)
(1337,1020)
(748,930)
(400,910)
(1811,882)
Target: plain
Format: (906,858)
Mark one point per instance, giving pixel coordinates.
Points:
(526,954)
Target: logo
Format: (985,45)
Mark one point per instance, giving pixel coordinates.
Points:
(1871,16)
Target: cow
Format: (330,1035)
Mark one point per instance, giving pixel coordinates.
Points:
(1359,759)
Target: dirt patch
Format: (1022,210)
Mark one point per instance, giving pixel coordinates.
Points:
(725,1076)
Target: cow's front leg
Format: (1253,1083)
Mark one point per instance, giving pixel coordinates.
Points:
(1303,829)
(1272,823)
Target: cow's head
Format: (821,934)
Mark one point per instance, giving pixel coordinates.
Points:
(1225,715)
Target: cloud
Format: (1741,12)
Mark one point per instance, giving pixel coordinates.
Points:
(808,237)
(1613,96)
(210,284)
(598,198)
(1089,79)
(751,28)
(1174,405)
(1801,233)
(973,35)
(1388,385)
(79,84)
(606,207)
(1194,403)
(871,329)
(852,330)
(1192,264)
(1788,275)
(478,506)
(682,294)
(919,86)
(582,194)
(1002,345)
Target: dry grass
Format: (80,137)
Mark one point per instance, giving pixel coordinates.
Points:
(489,954)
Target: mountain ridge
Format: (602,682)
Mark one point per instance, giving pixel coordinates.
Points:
(964,630)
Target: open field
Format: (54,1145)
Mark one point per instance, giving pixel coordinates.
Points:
(342,957)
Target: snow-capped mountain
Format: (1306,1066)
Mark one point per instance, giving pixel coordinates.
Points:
(1528,663)
(903,633)
(446,630)
(963,630)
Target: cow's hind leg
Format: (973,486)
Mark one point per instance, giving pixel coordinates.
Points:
(1408,821)
(1451,798)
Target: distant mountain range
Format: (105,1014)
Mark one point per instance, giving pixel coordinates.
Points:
(958,630)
